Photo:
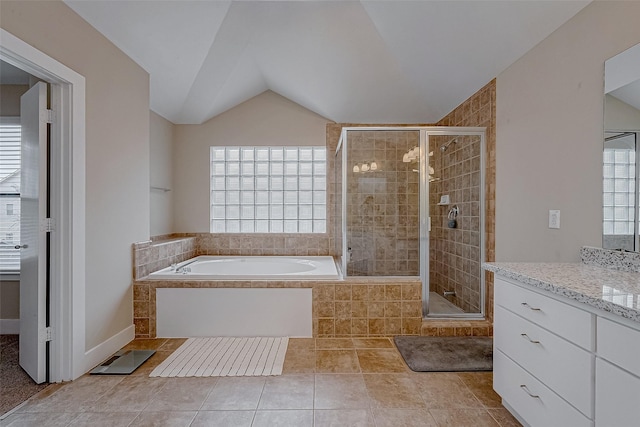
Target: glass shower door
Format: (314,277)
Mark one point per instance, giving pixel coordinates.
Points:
(382,203)
(454,284)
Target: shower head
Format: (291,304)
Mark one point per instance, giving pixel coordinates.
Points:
(445,146)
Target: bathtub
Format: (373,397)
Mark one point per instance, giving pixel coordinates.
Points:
(227,310)
(251,268)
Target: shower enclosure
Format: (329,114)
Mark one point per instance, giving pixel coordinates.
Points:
(409,202)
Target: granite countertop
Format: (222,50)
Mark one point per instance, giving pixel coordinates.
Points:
(614,291)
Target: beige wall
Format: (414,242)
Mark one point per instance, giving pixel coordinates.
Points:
(10,299)
(10,99)
(117,153)
(267,119)
(161,174)
(9,289)
(549,136)
(620,116)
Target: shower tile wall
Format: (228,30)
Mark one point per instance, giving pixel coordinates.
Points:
(382,205)
(480,110)
(454,253)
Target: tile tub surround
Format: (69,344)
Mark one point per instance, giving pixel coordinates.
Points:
(607,258)
(350,308)
(602,288)
(267,244)
(161,252)
(156,254)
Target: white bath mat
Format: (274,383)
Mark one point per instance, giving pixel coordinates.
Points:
(225,357)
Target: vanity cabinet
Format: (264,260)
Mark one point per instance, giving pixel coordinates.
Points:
(558,362)
(543,358)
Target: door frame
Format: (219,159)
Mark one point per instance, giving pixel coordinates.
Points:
(67,183)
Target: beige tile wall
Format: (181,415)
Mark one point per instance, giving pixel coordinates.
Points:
(480,110)
(263,244)
(383,207)
(157,254)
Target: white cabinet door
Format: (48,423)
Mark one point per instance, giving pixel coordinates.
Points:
(617,396)
(560,365)
(569,322)
(619,345)
(531,399)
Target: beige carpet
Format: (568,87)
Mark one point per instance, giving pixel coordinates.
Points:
(15,385)
(225,357)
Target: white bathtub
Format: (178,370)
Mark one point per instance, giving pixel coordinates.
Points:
(251,268)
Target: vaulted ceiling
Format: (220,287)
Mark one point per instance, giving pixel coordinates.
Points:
(349,61)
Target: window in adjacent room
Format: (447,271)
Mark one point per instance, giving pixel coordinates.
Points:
(9,194)
(268,189)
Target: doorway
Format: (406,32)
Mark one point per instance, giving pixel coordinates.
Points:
(67,347)
(17,384)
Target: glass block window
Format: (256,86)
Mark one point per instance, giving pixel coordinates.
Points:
(619,190)
(268,189)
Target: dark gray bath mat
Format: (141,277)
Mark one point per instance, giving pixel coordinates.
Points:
(446,354)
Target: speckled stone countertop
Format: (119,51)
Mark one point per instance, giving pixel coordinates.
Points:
(614,291)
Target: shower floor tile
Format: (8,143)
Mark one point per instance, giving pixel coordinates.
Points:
(351,381)
(440,305)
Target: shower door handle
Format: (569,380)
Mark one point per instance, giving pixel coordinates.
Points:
(20,246)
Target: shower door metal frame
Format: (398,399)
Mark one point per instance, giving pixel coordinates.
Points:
(424,213)
(343,143)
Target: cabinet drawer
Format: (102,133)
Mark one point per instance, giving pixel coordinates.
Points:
(563,319)
(535,403)
(617,396)
(619,344)
(562,366)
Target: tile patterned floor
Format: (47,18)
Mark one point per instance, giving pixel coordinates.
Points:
(326,382)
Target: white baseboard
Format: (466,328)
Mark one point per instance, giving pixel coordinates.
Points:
(104,350)
(9,326)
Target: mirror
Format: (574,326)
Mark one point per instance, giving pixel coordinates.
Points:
(621,154)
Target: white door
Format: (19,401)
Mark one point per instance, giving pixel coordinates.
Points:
(33,250)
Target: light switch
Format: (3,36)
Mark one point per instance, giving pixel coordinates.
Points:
(554,219)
